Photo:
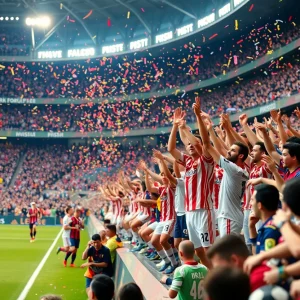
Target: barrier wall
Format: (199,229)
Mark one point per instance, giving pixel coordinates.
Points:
(130,269)
(18,220)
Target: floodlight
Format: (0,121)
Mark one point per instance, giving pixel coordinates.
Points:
(6,18)
(43,21)
(1,18)
(17,18)
(11,18)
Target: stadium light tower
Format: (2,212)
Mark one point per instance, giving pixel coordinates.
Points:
(42,22)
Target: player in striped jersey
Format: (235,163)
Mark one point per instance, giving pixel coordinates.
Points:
(164,229)
(33,215)
(199,180)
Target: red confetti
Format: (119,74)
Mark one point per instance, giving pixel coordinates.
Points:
(240,41)
(251,7)
(142,9)
(213,36)
(108,22)
(290,18)
(88,15)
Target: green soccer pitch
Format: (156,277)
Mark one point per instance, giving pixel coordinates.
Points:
(19,259)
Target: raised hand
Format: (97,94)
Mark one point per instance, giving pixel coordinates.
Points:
(142,165)
(270,163)
(157,154)
(197,106)
(268,122)
(243,119)
(297,112)
(179,115)
(287,121)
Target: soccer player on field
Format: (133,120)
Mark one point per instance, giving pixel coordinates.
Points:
(230,218)
(75,234)
(66,234)
(199,181)
(33,214)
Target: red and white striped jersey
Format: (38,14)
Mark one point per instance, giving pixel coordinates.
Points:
(117,203)
(199,182)
(167,200)
(256,171)
(218,178)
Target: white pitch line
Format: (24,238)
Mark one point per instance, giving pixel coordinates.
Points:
(38,269)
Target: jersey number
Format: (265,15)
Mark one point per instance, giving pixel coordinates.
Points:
(197,291)
(204,237)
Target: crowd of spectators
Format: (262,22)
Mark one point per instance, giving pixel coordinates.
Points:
(140,72)
(124,116)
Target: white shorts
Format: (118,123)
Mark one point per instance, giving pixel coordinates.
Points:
(201,227)
(166,227)
(153,225)
(227,226)
(143,218)
(66,241)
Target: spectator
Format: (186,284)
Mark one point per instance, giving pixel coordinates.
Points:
(265,201)
(226,283)
(102,288)
(187,279)
(99,260)
(50,297)
(113,242)
(130,291)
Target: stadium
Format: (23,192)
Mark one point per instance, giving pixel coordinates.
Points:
(149,149)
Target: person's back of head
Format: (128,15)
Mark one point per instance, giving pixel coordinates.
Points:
(102,288)
(130,291)
(291,193)
(268,196)
(229,250)
(226,283)
(186,249)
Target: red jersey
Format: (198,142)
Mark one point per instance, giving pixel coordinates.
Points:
(167,206)
(295,174)
(35,212)
(117,207)
(255,171)
(219,172)
(199,182)
(75,222)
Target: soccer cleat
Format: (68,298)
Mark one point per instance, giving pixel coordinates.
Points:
(65,263)
(144,250)
(155,257)
(58,250)
(31,240)
(72,266)
(138,248)
(152,254)
(160,264)
(164,267)
(149,252)
(170,270)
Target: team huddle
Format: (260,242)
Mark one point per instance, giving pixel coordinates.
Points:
(203,191)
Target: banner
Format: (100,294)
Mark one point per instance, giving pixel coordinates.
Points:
(18,220)
(252,112)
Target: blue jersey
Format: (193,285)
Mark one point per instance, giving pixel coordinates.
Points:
(267,237)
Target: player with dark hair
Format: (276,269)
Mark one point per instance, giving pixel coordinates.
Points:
(33,215)
(130,291)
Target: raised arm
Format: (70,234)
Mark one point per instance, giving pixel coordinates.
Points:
(268,143)
(282,134)
(178,115)
(252,138)
(294,132)
(157,154)
(156,177)
(204,134)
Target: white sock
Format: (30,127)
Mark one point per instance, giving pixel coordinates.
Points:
(137,237)
(171,257)
(129,233)
(163,256)
(150,245)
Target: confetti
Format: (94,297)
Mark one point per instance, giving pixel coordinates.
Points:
(128,14)
(88,14)
(236,24)
(251,7)
(213,36)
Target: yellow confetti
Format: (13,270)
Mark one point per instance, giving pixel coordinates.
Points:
(61,6)
(128,15)
(236,22)
(2,67)
(12,71)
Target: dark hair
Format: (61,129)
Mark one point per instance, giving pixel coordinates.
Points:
(268,196)
(51,297)
(262,147)
(226,283)
(243,150)
(228,245)
(130,291)
(103,287)
(291,194)
(68,209)
(294,150)
(111,227)
(78,210)
(143,183)
(154,196)
(106,221)
(96,237)
(293,139)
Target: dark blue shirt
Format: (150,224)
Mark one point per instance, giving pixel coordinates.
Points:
(267,237)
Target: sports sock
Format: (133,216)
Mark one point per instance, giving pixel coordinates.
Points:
(137,237)
(31,234)
(150,245)
(73,258)
(163,256)
(34,233)
(68,255)
(129,233)
(171,257)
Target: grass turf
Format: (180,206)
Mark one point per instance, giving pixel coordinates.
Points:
(19,258)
